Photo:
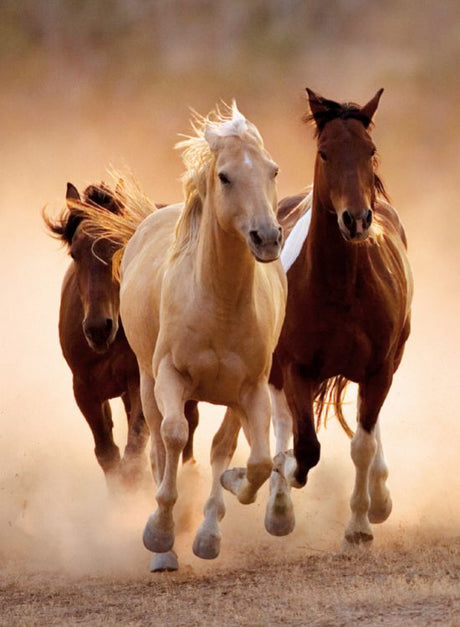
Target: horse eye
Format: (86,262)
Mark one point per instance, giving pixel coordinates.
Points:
(224,178)
(275,172)
(322,154)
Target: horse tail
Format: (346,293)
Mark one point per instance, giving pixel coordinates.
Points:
(331,392)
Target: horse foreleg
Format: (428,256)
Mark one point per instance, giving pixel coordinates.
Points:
(279,514)
(381,504)
(364,447)
(208,537)
(166,561)
(170,396)
(255,420)
(299,392)
(99,418)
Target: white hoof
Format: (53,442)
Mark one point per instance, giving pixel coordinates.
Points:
(286,465)
(279,515)
(164,562)
(235,481)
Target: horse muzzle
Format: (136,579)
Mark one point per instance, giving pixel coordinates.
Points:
(265,243)
(100,333)
(355,227)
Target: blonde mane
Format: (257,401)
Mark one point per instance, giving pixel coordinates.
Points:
(223,121)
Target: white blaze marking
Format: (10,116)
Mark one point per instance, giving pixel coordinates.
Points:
(247,160)
(295,241)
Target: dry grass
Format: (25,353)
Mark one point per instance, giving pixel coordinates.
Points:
(409,583)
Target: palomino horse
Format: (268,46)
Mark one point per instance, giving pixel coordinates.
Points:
(347,315)
(92,340)
(202,309)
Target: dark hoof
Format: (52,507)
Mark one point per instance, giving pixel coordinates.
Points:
(358,537)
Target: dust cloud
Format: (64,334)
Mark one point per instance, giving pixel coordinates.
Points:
(55,510)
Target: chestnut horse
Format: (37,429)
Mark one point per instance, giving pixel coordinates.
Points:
(347,315)
(203,309)
(93,341)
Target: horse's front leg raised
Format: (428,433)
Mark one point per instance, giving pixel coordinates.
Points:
(279,514)
(370,500)
(254,414)
(299,392)
(170,396)
(208,537)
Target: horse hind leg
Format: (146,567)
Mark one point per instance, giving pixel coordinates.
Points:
(279,514)
(207,540)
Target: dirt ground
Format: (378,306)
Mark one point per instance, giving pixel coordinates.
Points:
(70,555)
(414,583)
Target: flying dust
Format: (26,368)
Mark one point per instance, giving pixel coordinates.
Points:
(55,510)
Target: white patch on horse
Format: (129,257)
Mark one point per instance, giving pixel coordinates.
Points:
(248,160)
(295,241)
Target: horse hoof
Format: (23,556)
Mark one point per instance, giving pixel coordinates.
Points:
(206,545)
(164,562)
(356,538)
(157,540)
(378,514)
(231,479)
(279,516)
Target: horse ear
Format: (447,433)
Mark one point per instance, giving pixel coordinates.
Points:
(370,108)
(72,192)
(316,102)
(212,138)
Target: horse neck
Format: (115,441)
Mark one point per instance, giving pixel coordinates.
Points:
(225,265)
(327,256)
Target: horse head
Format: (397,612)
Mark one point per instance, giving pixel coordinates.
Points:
(345,177)
(92,262)
(241,182)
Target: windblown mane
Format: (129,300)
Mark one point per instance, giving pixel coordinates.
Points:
(97,196)
(224,121)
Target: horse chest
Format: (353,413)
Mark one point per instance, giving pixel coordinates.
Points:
(338,331)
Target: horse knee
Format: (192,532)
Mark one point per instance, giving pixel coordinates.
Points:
(174,431)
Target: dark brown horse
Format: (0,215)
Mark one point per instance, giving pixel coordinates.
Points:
(348,310)
(93,341)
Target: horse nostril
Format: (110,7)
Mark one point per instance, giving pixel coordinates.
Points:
(279,239)
(347,219)
(108,324)
(255,237)
(368,218)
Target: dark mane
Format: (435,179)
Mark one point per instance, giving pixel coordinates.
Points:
(102,196)
(334,110)
(65,225)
